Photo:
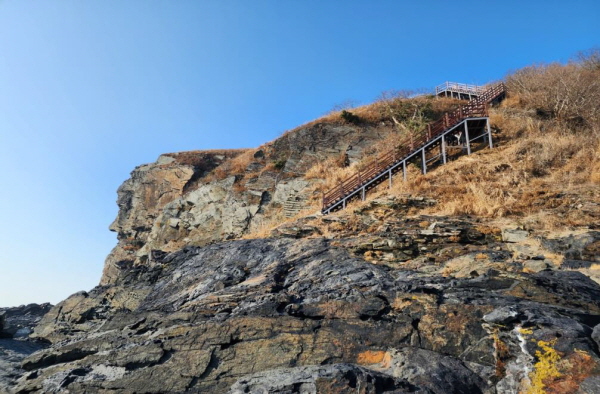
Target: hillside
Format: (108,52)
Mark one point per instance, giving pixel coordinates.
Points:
(480,276)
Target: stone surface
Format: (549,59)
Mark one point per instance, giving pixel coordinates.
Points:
(316,315)
(19,321)
(596,335)
(197,198)
(590,386)
(335,378)
(514,235)
(12,353)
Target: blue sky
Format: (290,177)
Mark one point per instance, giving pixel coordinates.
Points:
(91,89)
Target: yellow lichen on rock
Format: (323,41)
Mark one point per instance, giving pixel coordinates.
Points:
(545,369)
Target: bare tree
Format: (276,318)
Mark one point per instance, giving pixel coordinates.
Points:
(568,93)
(408,115)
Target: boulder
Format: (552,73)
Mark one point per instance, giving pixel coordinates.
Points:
(20,321)
(514,235)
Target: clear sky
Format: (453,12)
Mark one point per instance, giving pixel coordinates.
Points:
(91,89)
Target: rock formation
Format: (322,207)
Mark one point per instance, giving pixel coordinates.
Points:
(16,324)
(196,198)
(405,293)
(428,304)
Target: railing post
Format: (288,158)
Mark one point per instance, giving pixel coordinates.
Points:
(444,148)
(390,175)
(423,161)
(489,131)
(467,137)
(404,170)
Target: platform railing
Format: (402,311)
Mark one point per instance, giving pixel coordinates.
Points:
(459,88)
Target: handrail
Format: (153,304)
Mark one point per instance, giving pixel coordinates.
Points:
(410,144)
(459,87)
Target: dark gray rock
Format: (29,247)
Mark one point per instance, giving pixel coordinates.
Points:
(325,378)
(203,318)
(576,247)
(596,335)
(435,372)
(590,385)
(19,321)
(12,353)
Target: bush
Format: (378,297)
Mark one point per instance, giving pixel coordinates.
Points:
(350,117)
(279,164)
(567,93)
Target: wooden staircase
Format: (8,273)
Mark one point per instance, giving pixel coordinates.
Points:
(469,123)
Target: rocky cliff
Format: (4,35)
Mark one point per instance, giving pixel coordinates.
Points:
(196,198)
(479,277)
(383,304)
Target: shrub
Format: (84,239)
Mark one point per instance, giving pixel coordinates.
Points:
(349,117)
(567,93)
(279,164)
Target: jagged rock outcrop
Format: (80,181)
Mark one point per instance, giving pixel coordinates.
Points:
(15,326)
(18,322)
(377,310)
(196,198)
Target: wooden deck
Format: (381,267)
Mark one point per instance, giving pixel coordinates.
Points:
(459,90)
(465,126)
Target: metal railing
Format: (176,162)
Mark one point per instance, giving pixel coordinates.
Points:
(459,88)
(474,109)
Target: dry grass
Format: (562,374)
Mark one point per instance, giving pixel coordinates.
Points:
(567,93)
(236,165)
(376,113)
(239,164)
(198,157)
(522,178)
(547,155)
(277,219)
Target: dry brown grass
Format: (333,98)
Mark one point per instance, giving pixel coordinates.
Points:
(277,219)
(375,113)
(239,164)
(236,165)
(567,93)
(198,157)
(528,175)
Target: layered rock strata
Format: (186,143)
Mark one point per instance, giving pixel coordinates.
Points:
(398,309)
(196,198)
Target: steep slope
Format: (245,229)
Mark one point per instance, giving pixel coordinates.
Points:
(195,198)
